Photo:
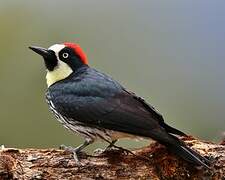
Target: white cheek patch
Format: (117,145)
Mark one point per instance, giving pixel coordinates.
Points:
(61,71)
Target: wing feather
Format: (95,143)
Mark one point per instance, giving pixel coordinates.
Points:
(121,113)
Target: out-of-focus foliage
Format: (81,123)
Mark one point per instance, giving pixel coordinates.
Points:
(170,52)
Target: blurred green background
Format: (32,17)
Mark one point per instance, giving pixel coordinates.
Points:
(172,53)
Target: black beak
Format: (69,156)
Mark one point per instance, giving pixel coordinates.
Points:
(45,53)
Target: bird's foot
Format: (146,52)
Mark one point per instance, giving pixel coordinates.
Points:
(123,150)
(98,151)
(76,153)
(110,149)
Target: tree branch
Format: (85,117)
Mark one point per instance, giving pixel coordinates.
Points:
(152,162)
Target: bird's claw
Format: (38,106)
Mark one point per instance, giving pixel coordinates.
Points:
(117,149)
(75,152)
(98,151)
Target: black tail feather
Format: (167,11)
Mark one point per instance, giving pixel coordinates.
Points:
(187,153)
(179,148)
(172,130)
(190,155)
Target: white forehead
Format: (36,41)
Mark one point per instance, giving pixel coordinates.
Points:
(56,47)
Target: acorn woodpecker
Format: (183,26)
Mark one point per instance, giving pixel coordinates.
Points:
(95,106)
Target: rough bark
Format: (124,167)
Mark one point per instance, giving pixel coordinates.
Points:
(152,162)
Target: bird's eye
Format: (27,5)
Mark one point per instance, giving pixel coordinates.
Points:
(65,55)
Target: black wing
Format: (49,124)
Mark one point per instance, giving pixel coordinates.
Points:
(156,115)
(124,112)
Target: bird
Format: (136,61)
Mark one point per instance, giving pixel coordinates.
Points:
(95,106)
